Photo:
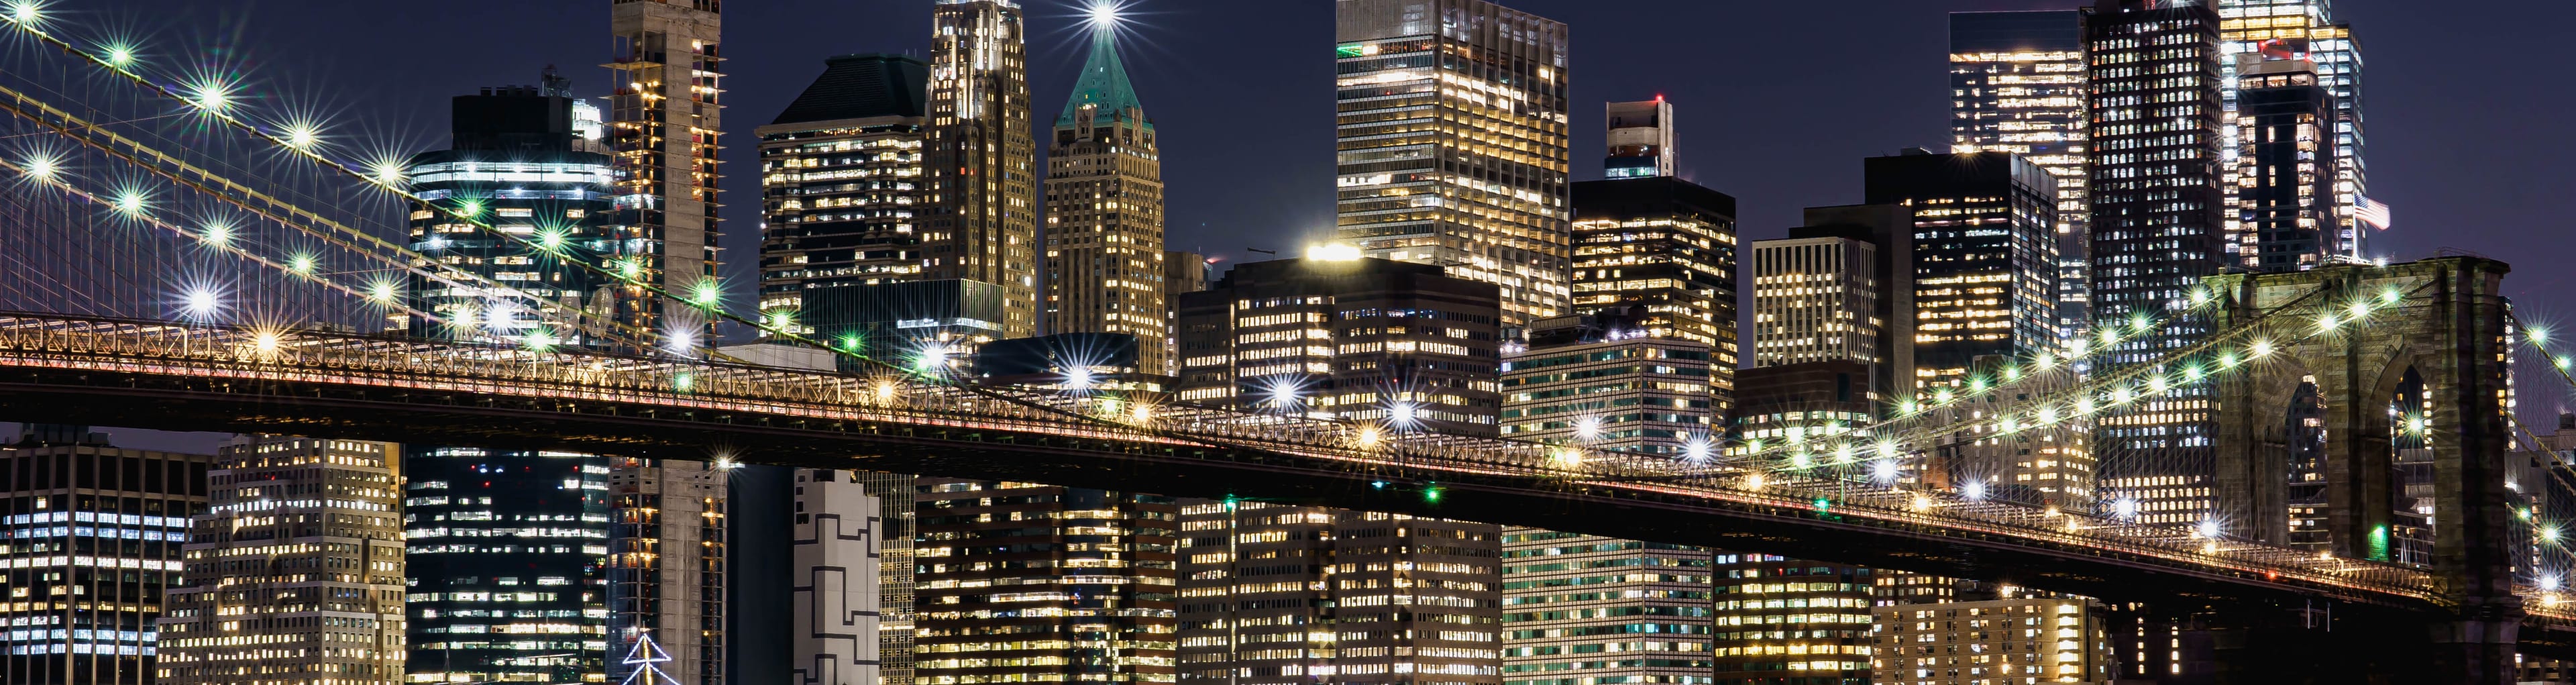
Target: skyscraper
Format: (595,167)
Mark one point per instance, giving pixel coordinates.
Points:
(1274,594)
(1665,249)
(1104,211)
(1602,382)
(843,192)
(1453,143)
(1783,621)
(1984,257)
(70,493)
(295,571)
(2018,84)
(2285,200)
(505,547)
(1396,344)
(529,161)
(1641,139)
(666,563)
(505,551)
(1839,289)
(666,125)
(983,161)
(1024,583)
(2304,30)
(2157,230)
(2014,640)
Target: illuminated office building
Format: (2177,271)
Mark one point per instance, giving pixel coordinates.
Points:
(1641,139)
(1396,344)
(295,571)
(505,547)
(665,126)
(2285,173)
(528,160)
(982,157)
(1029,583)
(1996,641)
(1783,621)
(2017,84)
(1104,212)
(1984,257)
(2255,31)
(1802,400)
(1604,382)
(1585,608)
(1454,144)
(667,546)
(2157,231)
(1273,594)
(71,496)
(1838,290)
(1663,249)
(506,553)
(842,187)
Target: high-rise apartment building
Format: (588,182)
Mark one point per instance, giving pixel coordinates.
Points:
(666,125)
(843,193)
(1803,400)
(982,156)
(1604,382)
(2157,231)
(1026,583)
(2018,84)
(1453,143)
(123,516)
(506,552)
(1641,139)
(1995,641)
(529,161)
(2285,173)
(1783,621)
(1984,257)
(835,614)
(1273,594)
(2255,31)
(295,572)
(1104,212)
(1664,249)
(1401,345)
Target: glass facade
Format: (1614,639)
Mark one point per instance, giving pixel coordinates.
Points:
(2285,169)
(1396,344)
(1816,300)
(1782,621)
(520,163)
(982,156)
(1984,258)
(1605,382)
(91,552)
(295,570)
(2018,84)
(1583,609)
(1453,143)
(507,556)
(1998,641)
(2276,30)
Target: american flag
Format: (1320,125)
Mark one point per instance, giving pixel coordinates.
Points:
(2372,212)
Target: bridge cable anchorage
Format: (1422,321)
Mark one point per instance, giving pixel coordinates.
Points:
(285,214)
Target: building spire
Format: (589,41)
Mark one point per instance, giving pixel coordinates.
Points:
(1104,79)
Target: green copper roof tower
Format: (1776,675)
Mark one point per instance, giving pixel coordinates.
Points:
(1104,210)
(1104,82)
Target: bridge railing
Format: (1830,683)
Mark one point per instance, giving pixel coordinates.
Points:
(252,354)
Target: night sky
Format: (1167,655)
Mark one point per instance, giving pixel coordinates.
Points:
(1777,101)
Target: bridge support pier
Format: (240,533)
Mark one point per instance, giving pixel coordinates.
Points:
(2462,651)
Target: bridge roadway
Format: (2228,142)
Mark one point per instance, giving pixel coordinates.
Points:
(178,377)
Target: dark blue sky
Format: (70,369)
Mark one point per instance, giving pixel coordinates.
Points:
(1778,101)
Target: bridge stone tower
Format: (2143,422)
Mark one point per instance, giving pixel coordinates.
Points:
(2448,325)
